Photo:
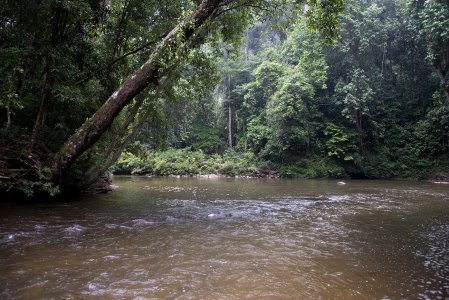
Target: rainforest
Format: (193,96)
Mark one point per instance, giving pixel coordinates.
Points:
(315,89)
(224,149)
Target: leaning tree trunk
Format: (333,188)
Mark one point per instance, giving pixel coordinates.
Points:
(138,115)
(149,73)
(123,139)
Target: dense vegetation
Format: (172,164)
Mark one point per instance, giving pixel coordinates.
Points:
(183,162)
(80,79)
(244,87)
(371,105)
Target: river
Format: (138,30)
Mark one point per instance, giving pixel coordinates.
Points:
(165,238)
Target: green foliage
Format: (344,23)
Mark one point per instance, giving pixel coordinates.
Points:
(186,162)
(347,105)
(31,188)
(355,95)
(367,105)
(257,134)
(339,144)
(407,165)
(314,167)
(434,23)
(362,106)
(323,17)
(206,139)
(432,132)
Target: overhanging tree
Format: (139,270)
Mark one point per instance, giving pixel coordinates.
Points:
(150,73)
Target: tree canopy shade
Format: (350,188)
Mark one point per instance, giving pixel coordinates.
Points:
(62,57)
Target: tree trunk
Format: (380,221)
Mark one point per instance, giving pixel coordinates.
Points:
(149,73)
(117,146)
(230,126)
(124,127)
(229,112)
(121,139)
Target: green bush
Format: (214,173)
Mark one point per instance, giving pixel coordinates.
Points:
(315,167)
(289,171)
(186,162)
(400,164)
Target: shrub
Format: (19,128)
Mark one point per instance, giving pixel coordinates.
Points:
(186,162)
(315,167)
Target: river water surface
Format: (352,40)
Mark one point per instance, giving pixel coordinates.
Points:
(166,238)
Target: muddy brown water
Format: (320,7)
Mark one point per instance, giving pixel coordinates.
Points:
(161,238)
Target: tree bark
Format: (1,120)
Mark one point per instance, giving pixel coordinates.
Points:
(95,173)
(229,113)
(230,126)
(124,127)
(119,144)
(147,74)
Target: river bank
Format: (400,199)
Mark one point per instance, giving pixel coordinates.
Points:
(180,163)
(189,163)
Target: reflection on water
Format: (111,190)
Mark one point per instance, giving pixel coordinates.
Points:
(231,239)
